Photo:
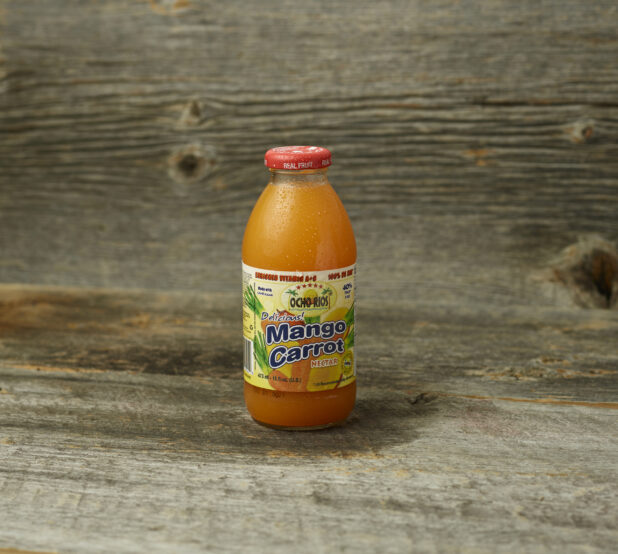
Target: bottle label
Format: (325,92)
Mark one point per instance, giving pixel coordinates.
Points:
(299,328)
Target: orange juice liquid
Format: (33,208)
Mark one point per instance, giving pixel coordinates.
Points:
(299,224)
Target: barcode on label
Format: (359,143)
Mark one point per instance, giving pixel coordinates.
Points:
(248,358)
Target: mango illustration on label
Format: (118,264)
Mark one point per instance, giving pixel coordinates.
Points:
(298,329)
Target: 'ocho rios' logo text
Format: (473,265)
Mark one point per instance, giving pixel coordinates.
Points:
(313,298)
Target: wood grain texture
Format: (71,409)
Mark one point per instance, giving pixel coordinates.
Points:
(122,427)
(476,149)
(473,141)
(538,353)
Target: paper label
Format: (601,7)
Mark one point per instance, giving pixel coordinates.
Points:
(299,328)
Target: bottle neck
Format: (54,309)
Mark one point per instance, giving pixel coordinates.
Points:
(302,177)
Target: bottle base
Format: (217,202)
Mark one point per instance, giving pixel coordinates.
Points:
(301,428)
(300,411)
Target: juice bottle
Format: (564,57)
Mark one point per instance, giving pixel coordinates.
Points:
(299,257)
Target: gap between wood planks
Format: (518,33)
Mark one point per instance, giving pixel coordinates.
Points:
(17,551)
(604,405)
(426,396)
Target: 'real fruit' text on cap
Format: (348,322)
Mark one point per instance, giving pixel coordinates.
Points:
(297,157)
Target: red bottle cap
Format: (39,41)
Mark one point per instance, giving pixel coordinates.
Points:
(297,157)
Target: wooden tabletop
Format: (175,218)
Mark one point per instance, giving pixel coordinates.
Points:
(475,149)
(123,428)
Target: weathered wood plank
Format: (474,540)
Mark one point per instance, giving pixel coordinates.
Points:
(538,354)
(122,427)
(474,143)
(100,461)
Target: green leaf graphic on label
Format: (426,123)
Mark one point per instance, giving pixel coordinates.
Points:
(252,301)
(260,353)
(312,319)
(349,340)
(349,316)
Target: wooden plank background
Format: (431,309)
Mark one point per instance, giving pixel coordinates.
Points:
(476,149)
(473,141)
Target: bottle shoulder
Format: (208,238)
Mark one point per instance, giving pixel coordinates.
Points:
(299,229)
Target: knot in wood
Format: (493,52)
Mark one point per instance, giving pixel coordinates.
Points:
(192,114)
(589,269)
(581,131)
(191,163)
